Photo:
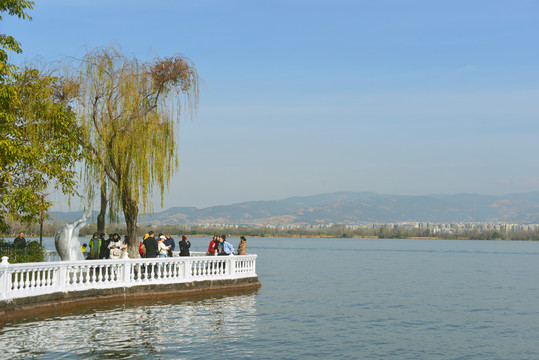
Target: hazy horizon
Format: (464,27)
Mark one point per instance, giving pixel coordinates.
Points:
(95,208)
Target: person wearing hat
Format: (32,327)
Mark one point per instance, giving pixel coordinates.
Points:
(242,247)
(115,247)
(184,246)
(163,249)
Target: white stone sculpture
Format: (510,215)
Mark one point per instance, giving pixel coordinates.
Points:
(67,241)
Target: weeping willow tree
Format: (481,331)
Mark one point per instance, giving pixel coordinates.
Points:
(129,110)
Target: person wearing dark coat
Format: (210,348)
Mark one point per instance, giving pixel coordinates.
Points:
(151,245)
(20,241)
(169,241)
(184,246)
(104,251)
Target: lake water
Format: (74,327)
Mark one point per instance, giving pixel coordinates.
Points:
(323,298)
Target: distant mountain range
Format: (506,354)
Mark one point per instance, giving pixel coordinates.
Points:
(353,208)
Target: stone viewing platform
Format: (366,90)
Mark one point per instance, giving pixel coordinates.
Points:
(41,286)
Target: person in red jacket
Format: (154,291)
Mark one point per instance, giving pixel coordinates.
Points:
(141,247)
(213,249)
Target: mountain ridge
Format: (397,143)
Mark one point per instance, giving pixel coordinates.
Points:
(356,208)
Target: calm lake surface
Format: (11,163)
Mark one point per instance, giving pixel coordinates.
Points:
(323,298)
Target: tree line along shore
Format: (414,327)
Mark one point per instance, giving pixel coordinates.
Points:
(337,231)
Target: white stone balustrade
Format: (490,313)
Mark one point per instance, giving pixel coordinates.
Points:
(33,279)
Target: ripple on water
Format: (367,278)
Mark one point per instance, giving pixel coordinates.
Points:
(320,298)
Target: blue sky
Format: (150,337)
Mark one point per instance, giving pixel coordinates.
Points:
(307,97)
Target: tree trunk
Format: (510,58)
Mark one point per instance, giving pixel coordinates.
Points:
(130,209)
(103,212)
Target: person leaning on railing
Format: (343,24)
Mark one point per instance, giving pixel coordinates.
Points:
(227,248)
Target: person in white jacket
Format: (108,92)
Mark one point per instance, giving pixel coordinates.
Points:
(115,247)
(163,249)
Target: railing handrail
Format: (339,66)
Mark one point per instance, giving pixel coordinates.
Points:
(32,279)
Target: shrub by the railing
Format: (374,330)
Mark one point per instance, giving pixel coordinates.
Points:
(33,252)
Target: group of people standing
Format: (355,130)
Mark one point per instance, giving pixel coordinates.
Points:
(111,248)
(162,245)
(219,246)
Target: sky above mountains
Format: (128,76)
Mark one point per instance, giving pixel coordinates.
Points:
(307,97)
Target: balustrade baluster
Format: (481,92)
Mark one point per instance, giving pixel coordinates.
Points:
(114,273)
(102,273)
(13,280)
(26,283)
(142,274)
(148,273)
(86,274)
(164,270)
(31,283)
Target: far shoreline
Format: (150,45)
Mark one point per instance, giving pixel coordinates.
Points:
(302,236)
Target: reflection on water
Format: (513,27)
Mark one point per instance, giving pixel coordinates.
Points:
(166,329)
